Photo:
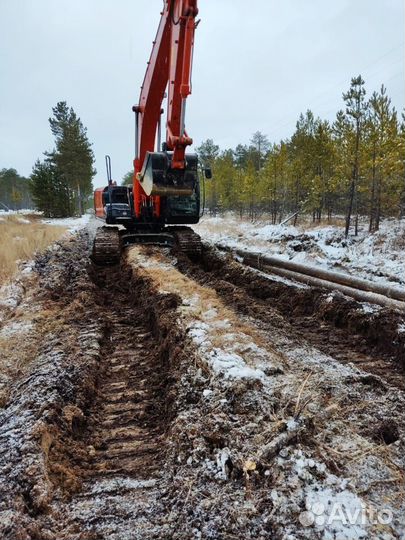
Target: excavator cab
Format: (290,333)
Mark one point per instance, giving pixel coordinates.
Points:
(178,189)
(113,203)
(117,204)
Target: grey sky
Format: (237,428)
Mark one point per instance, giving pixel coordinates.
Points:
(257,65)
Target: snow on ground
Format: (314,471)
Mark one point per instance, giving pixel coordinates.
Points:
(73,224)
(221,340)
(342,484)
(23,212)
(378,256)
(10,296)
(16,327)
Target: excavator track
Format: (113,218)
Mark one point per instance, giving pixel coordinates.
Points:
(107,246)
(187,241)
(108,243)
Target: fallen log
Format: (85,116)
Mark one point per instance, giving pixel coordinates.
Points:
(362,296)
(259,260)
(289,217)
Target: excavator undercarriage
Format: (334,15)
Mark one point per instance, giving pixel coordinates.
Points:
(109,242)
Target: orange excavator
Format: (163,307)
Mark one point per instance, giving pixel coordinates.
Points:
(166,192)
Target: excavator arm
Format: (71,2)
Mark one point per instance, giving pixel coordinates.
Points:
(168,172)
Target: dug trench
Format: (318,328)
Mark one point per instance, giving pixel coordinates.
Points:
(333,323)
(85,426)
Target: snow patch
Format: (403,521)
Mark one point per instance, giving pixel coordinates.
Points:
(16,327)
(72,224)
(10,295)
(232,366)
(224,361)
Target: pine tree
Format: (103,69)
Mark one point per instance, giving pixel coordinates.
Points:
(208,152)
(301,150)
(249,189)
(14,190)
(355,113)
(226,183)
(241,156)
(16,197)
(73,156)
(385,155)
(49,190)
(323,170)
(128,179)
(260,145)
(401,141)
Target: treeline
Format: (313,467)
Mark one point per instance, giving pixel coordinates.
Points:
(61,184)
(14,191)
(354,166)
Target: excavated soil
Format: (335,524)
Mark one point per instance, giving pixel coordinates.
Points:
(335,324)
(117,427)
(88,419)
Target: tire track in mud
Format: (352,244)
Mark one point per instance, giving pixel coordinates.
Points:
(338,328)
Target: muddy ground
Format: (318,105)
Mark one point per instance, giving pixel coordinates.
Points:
(120,418)
(354,333)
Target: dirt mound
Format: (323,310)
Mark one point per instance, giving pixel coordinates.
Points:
(330,321)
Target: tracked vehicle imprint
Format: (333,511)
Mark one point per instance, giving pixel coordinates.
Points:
(126,436)
(117,448)
(128,413)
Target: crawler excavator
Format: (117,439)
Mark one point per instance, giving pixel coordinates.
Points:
(165,196)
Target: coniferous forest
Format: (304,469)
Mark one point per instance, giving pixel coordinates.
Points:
(352,167)
(14,191)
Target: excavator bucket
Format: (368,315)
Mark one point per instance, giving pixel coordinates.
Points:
(159,178)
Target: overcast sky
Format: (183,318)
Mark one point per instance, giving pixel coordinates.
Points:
(257,65)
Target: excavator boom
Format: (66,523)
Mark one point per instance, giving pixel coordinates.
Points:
(169,67)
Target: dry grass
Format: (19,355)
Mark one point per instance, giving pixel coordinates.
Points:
(307,223)
(200,300)
(20,237)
